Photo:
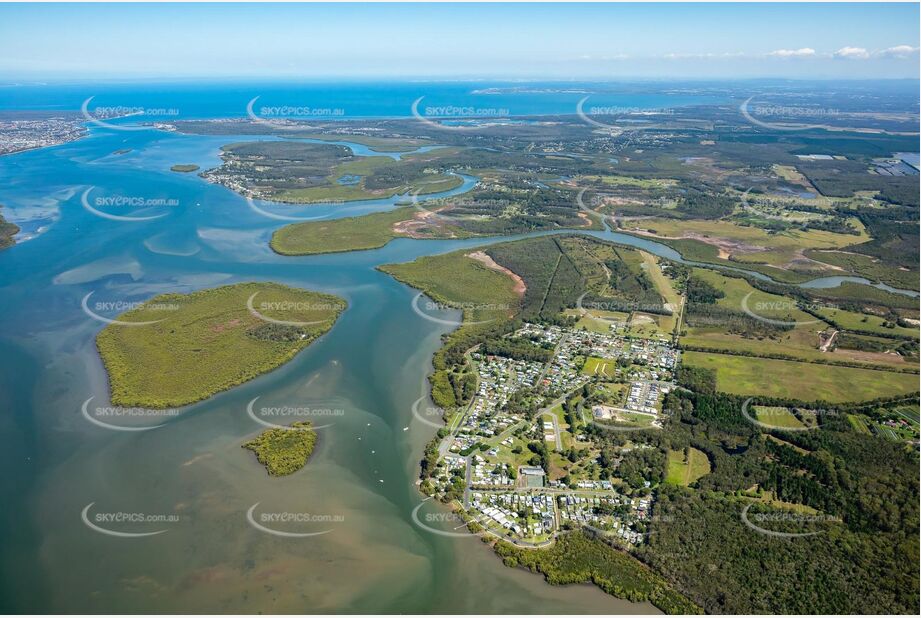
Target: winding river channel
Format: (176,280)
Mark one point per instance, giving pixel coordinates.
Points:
(178,495)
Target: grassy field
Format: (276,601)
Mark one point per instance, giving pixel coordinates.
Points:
(630,181)
(851,320)
(205,342)
(597,320)
(663,284)
(284,451)
(648,325)
(600,366)
(776,416)
(741,375)
(801,342)
(748,245)
(771,306)
(686,470)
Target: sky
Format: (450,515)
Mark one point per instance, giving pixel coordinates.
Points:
(459,41)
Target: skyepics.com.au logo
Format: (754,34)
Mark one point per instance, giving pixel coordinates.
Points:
(431,415)
(447,523)
(785,117)
(627,115)
(429,305)
(776,306)
(282,416)
(290,117)
(580,201)
(615,305)
(462,207)
(119,306)
(292,524)
(127,524)
(290,308)
(758,521)
(120,418)
(99,114)
(782,418)
(280,217)
(456,117)
(105,207)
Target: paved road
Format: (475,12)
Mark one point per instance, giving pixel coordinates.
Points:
(467,480)
(445,445)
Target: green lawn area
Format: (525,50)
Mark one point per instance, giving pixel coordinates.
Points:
(772,306)
(600,366)
(755,245)
(685,471)
(634,419)
(800,342)
(613,392)
(195,345)
(776,416)
(598,321)
(662,283)
(647,325)
(742,375)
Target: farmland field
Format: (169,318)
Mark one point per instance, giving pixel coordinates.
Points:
(743,375)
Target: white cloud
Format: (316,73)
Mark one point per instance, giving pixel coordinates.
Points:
(899,51)
(852,53)
(803,52)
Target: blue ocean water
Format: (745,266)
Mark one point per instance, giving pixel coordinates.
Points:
(188,100)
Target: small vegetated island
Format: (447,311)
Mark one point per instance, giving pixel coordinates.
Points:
(185,167)
(188,347)
(284,450)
